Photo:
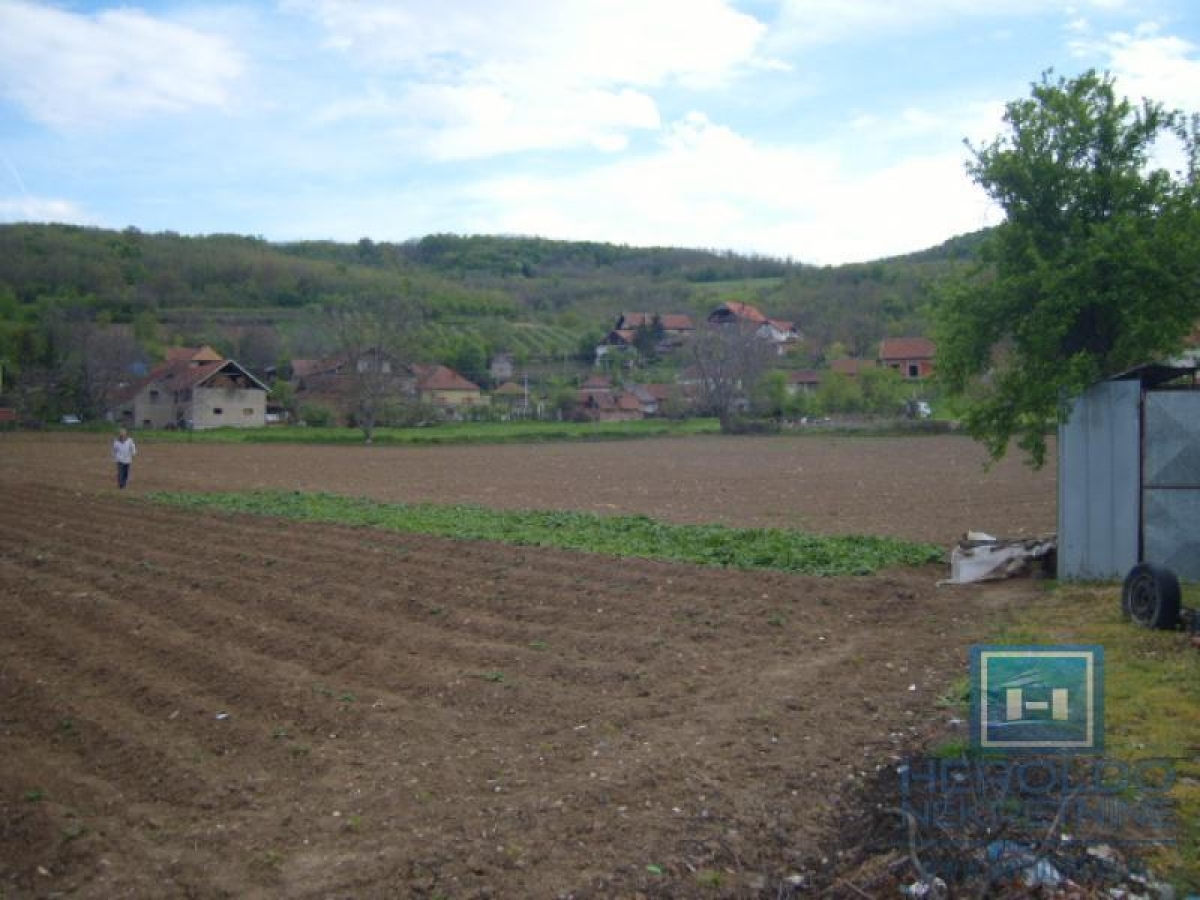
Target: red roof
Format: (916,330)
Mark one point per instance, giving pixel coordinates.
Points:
(905,348)
(742,311)
(182,375)
(306,368)
(621,335)
(804,376)
(659,391)
(670,321)
(629,402)
(442,378)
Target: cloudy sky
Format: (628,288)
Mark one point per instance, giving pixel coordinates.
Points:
(823,130)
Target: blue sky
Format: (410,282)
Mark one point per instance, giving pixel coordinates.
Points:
(827,131)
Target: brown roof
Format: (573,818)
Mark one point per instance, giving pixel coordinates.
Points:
(306,368)
(670,321)
(597,383)
(907,348)
(510,389)
(660,391)
(742,311)
(182,374)
(597,399)
(442,378)
(804,376)
(622,335)
(629,402)
(851,367)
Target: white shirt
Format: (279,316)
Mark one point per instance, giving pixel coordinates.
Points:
(124,450)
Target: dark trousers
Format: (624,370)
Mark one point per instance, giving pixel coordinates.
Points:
(122,474)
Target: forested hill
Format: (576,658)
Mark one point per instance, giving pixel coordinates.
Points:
(573,285)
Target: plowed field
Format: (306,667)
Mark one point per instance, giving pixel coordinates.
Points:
(210,706)
(924,488)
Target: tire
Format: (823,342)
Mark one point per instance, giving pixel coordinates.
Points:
(1150,596)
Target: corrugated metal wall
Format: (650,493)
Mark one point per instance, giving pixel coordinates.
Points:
(1098,483)
(1171,482)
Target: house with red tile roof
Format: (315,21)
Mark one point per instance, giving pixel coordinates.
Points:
(778,331)
(192,391)
(674,324)
(912,357)
(444,388)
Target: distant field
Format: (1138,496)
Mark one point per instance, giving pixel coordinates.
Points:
(446,433)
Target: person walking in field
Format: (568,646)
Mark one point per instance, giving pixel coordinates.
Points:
(123,451)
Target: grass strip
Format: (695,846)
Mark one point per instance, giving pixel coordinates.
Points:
(445,433)
(636,536)
(1151,698)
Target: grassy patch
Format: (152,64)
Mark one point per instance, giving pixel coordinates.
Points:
(1151,697)
(446,433)
(638,536)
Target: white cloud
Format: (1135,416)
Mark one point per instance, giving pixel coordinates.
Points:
(69,70)
(707,186)
(492,78)
(43,209)
(583,41)
(1161,67)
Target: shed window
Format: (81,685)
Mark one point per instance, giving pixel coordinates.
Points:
(914,371)
(217,410)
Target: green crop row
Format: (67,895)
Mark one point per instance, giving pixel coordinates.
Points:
(631,536)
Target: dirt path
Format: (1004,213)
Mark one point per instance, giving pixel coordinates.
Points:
(422,717)
(926,488)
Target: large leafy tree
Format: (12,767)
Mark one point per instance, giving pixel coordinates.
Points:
(1095,269)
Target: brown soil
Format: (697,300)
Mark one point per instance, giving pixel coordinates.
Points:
(214,706)
(927,488)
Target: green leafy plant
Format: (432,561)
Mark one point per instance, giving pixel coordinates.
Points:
(634,536)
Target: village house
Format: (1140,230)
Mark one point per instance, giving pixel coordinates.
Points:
(449,391)
(511,396)
(676,325)
(912,357)
(194,388)
(673,329)
(779,332)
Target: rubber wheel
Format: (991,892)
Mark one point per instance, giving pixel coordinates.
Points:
(1150,596)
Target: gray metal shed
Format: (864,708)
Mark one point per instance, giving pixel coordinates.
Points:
(1129,475)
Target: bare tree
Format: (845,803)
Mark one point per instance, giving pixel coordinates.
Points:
(107,359)
(374,338)
(730,360)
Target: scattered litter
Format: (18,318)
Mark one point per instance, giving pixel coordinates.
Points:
(222,716)
(932,888)
(992,559)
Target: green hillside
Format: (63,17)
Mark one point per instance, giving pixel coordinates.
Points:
(541,300)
